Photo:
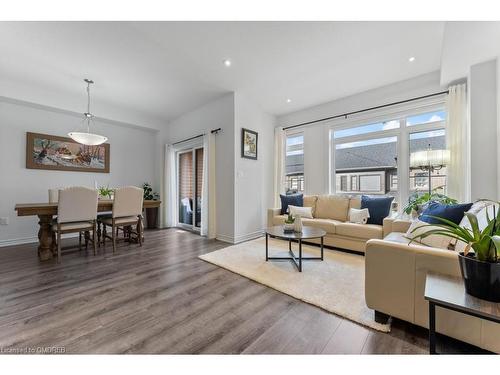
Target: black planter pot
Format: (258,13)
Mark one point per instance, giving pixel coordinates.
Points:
(482,279)
(152,217)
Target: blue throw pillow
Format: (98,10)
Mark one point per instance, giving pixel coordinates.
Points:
(452,212)
(378,207)
(291,199)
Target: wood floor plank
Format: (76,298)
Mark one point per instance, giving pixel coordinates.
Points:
(349,338)
(160,298)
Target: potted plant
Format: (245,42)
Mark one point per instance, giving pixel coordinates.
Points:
(151,212)
(480,260)
(289,223)
(105,192)
(417,201)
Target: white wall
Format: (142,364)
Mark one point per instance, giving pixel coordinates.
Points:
(483,138)
(253,178)
(316,144)
(132,161)
(466,45)
(215,114)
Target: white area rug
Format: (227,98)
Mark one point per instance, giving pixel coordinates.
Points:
(336,284)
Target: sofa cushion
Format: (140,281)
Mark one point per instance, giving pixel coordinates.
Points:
(293,199)
(332,207)
(310,201)
(451,212)
(379,207)
(364,231)
(355,202)
(397,237)
(327,225)
(303,212)
(434,240)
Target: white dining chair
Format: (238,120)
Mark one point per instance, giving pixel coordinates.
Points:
(76,213)
(54,195)
(127,211)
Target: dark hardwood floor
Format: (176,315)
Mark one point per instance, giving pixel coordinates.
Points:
(162,299)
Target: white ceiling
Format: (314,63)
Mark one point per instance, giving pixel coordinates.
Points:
(148,73)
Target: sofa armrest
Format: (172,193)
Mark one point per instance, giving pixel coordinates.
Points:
(390,278)
(393,224)
(271,213)
(395,276)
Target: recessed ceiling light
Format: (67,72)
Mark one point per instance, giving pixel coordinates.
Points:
(411,59)
(227,62)
(289,100)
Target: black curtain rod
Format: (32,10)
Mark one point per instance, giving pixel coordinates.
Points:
(365,110)
(197,136)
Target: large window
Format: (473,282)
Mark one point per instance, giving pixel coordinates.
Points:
(373,157)
(294,163)
(367,166)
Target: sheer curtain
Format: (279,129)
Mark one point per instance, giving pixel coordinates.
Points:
(208,224)
(458,170)
(279,164)
(170,206)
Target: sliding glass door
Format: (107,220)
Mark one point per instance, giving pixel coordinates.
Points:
(189,186)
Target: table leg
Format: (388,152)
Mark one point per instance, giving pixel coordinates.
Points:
(300,255)
(45,237)
(140,229)
(267,249)
(432,328)
(322,248)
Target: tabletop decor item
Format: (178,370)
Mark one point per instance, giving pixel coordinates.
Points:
(249,141)
(105,192)
(289,225)
(151,212)
(480,260)
(51,152)
(298,224)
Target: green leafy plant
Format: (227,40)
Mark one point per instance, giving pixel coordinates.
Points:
(289,219)
(148,192)
(485,242)
(105,191)
(418,200)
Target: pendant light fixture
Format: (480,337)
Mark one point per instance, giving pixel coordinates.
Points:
(88,138)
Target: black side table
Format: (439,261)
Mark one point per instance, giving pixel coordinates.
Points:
(449,293)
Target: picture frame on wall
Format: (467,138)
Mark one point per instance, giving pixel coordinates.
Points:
(51,152)
(249,143)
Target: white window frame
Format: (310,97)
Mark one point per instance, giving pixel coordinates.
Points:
(394,113)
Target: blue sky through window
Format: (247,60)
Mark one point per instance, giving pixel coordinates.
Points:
(379,126)
(426,118)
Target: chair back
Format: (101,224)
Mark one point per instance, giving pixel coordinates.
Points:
(77,203)
(54,195)
(128,201)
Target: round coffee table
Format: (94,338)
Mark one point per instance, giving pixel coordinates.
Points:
(306,234)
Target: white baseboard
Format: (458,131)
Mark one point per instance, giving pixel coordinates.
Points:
(223,238)
(240,238)
(249,236)
(26,240)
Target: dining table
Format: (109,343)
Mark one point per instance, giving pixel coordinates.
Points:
(46,212)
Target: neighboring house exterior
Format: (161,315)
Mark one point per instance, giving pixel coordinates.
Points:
(370,169)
